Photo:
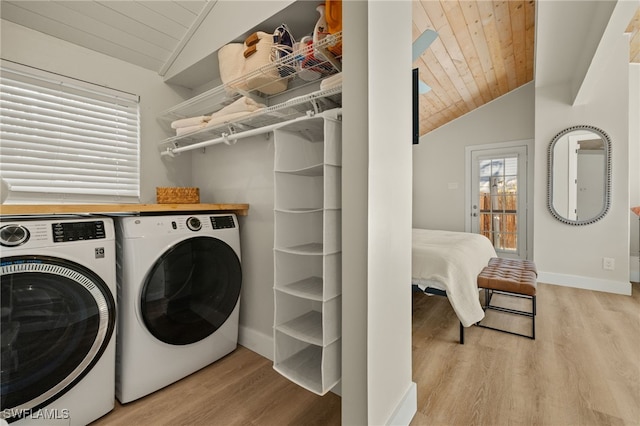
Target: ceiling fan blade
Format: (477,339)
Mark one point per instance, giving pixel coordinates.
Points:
(422,43)
(423,87)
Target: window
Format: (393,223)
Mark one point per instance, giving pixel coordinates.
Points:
(65,140)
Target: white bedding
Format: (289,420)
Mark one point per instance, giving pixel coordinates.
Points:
(451,261)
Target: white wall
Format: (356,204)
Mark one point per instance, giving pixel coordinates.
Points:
(389,210)
(28,47)
(243,173)
(439,158)
(355,160)
(572,255)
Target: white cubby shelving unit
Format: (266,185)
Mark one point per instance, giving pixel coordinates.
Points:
(307,251)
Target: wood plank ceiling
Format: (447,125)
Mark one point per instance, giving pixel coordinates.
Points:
(634,39)
(484,50)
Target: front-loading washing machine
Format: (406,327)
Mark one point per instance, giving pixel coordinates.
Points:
(179,282)
(58,280)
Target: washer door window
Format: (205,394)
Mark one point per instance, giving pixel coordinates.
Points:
(191,290)
(57,319)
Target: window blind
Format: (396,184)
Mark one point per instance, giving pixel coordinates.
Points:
(64,140)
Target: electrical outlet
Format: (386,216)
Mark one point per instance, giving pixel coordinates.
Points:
(608,263)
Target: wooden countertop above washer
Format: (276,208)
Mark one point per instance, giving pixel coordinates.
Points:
(43,209)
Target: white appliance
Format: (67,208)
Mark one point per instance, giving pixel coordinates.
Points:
(58,280)
(179,281)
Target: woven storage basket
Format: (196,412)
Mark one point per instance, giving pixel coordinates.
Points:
(177,195)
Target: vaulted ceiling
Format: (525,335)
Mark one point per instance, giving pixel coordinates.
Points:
(145,33)
(634,30)
(484,49)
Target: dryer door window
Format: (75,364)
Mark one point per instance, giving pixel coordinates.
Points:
(57,319)
(191,290)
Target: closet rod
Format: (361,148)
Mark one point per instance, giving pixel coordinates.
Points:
(227,138)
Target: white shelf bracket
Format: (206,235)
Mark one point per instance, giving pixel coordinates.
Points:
(168,152)
(316,107)
(227,141)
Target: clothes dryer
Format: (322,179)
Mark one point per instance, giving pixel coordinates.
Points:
(58,316)
(179,282)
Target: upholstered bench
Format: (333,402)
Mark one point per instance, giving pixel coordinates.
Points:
(510,277)
(500,262)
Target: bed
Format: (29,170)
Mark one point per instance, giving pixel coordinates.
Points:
(447,263)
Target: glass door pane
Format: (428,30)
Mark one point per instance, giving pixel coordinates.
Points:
(191,290)
(498,201)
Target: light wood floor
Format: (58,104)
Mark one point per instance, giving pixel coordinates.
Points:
(582,369)
(240,389)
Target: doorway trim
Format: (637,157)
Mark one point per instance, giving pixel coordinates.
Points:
(529,145)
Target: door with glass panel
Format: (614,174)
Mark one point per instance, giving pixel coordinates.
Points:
(498,198)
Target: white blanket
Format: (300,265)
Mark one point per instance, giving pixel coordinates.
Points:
(180,131)
(238,109)
(190,122)
(333,81)
(453,260)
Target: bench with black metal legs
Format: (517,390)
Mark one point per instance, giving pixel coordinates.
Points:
(517,278)
(500,262)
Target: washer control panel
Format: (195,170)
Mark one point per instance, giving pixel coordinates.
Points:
(222,222)
(78,231)
(42,233)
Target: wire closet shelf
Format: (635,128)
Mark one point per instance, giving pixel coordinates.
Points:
(307,99)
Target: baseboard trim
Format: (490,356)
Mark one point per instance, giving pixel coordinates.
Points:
(407,408)
(259,343)
(587,283)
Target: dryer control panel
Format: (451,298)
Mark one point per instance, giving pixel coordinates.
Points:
(155,226)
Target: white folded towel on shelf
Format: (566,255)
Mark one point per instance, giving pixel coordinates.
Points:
(228,117)
(180,131)
(331,82)
(243,104)
(189,122)
(239,108)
